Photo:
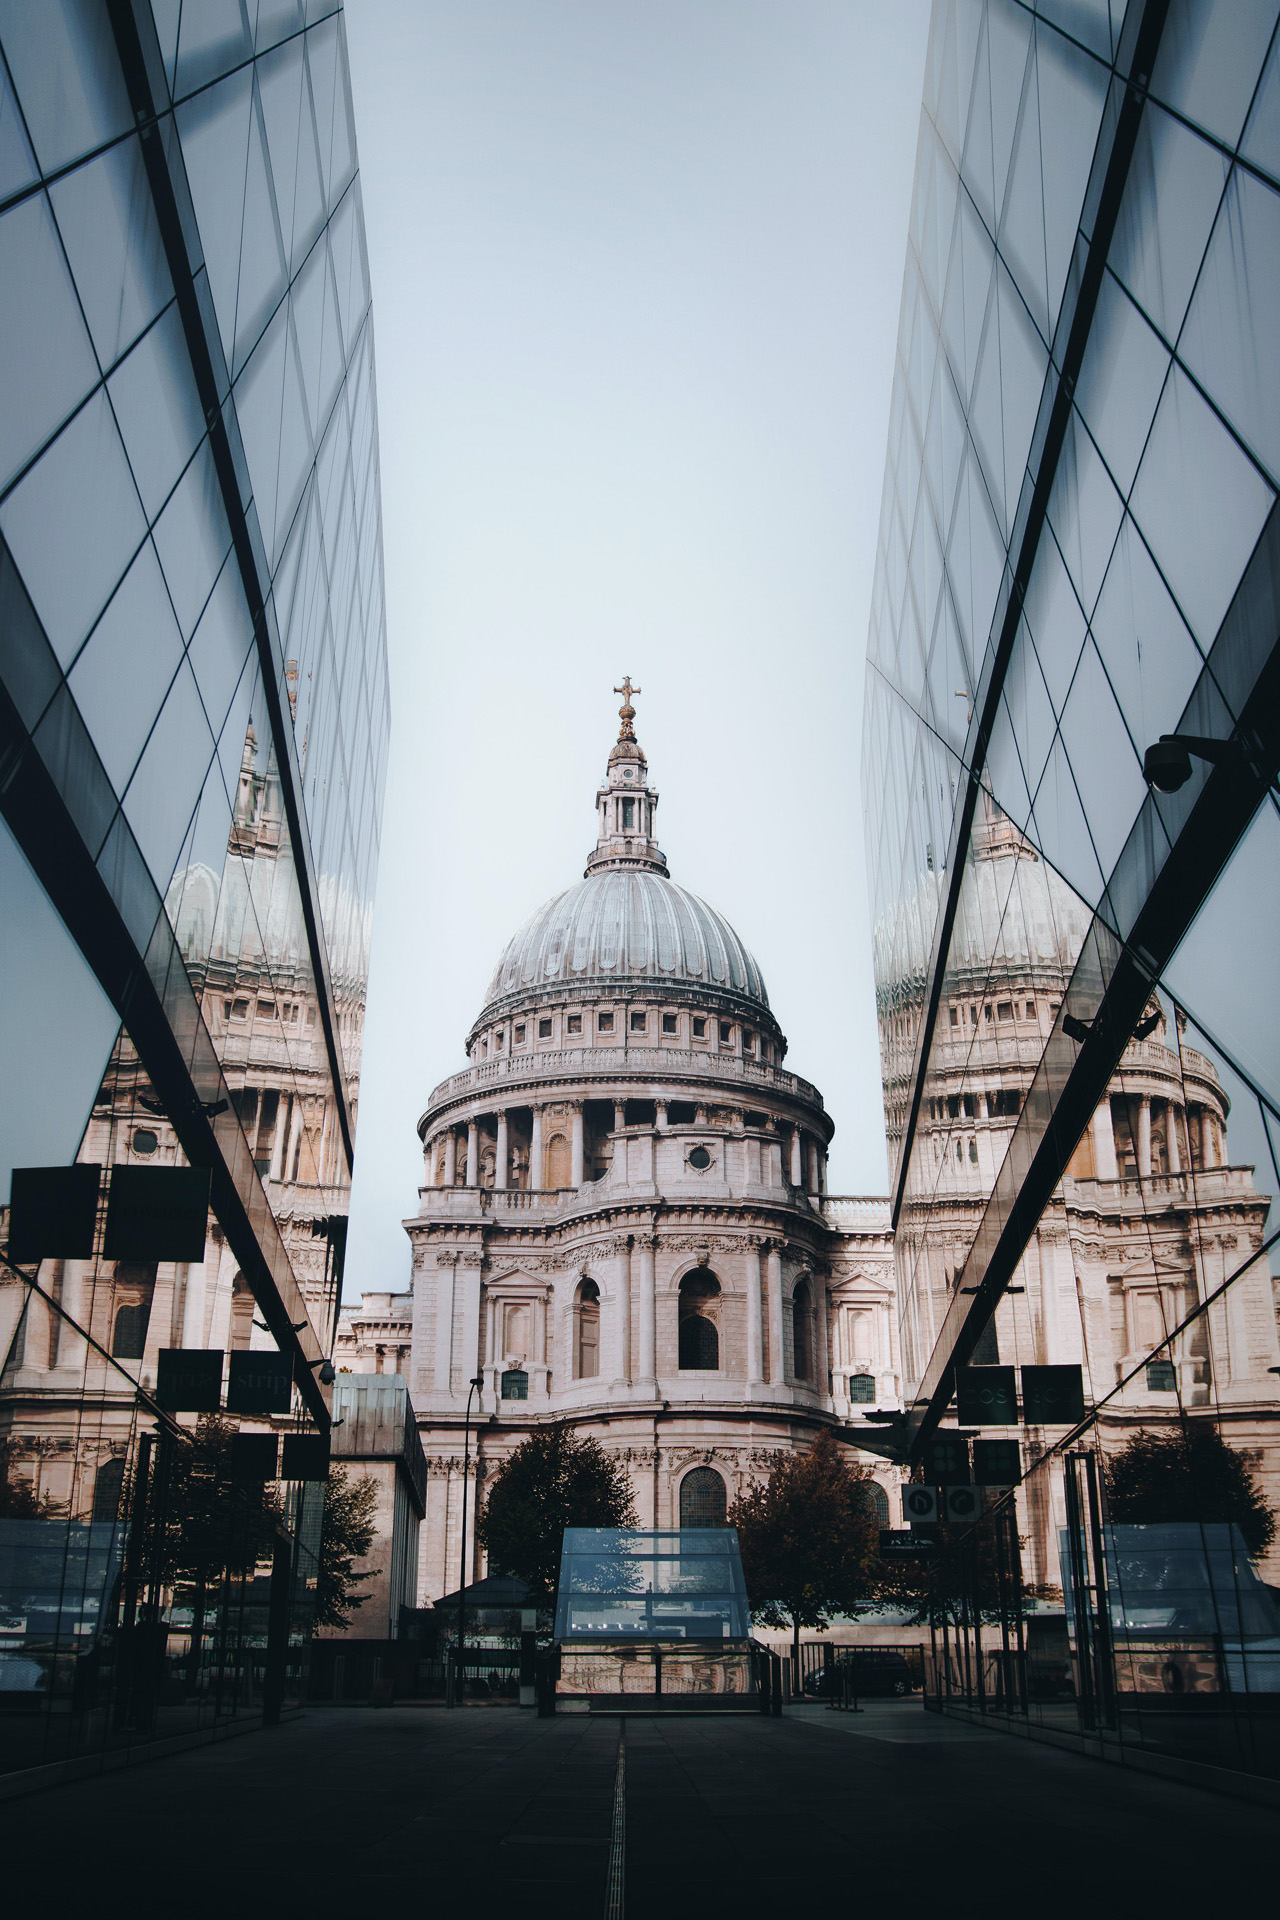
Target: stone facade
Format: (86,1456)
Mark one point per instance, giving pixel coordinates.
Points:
(624,1218)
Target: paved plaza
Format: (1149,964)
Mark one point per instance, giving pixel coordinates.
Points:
(489,1811)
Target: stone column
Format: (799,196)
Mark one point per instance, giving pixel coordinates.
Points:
(619,1116)
(797,1165)
(755,1321)
(469,1308)
(473,1154)
(813,1166)
(1172,1119)
(295,1134)
(576,1167)
(622,1317)
(1144,1137)
(450,1157)
(1104,1141)
(502,1165)
(660,1109)
(444,1325)
(537,1172)
(428,1164)
(646,1306)
(277,1147)
(773,1278)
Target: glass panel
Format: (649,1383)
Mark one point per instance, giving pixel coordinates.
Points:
(41,332)
(155,399)
(107,220)
(126,666)
(1232,335)
(1174,187)
(1211,53)
(64,64)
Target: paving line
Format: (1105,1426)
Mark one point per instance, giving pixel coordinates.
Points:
(615,1891)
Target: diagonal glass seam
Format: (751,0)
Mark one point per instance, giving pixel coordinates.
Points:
(1124,954)
(142,65)
(1113,157)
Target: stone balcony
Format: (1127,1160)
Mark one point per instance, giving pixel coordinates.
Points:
(634,1065)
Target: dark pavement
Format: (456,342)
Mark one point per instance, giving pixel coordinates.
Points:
(491,1811)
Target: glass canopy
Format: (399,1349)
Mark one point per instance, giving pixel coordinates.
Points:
(627,1583)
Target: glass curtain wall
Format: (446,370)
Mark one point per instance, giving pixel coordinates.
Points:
(194,714)
(1077,556)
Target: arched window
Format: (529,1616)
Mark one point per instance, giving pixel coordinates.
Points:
(704,1501)
(802,1332)
(699,1334)
(107,1488)
(559,1162)
(515,1384)
(588,1316)
(879,1504)
(129,1335)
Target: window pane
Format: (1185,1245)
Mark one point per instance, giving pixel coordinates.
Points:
(41,332)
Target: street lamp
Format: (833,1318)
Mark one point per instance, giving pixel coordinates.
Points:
(477,1384)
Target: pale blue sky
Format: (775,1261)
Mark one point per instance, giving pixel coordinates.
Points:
(636,272)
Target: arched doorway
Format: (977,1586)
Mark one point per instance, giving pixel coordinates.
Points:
(704,1499)
(699,1313)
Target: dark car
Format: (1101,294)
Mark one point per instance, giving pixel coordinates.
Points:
(872,1670)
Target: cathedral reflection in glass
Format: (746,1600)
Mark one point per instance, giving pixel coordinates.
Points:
(193,732)
(1078,552)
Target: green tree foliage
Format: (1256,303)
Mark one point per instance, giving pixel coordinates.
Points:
(809,1538)
(1187,1472)
(18,1498)
(346,1535)
(556,1479)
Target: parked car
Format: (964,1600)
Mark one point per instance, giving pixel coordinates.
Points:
(873,1670)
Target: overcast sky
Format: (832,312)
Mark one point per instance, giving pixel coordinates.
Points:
(636,272)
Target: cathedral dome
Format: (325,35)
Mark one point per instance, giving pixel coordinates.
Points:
(626,924)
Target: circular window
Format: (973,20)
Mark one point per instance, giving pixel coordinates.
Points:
(700,1159)
(144,1140)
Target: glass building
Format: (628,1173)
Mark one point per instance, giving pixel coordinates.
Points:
(193,731)
(1079,554)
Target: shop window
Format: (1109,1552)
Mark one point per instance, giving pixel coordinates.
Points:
(670,1024)
(638,1022)
(862,1389)
(699,1027)
(575,1023)
(544,1029)
(515,1384)
(704,1499)
(604,1022)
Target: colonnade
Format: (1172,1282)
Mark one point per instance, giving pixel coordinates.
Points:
(1203,1137)
(803,1158)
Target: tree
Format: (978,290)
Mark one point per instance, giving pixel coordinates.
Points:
(809,1538)
(555,1479)
(18,1497)
(346,1534)
(1187,1472)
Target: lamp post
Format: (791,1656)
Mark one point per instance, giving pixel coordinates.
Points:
(476,1384)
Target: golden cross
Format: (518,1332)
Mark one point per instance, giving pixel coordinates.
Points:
(626,713)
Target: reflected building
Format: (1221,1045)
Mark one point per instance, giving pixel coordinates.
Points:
(193,730)
(1077,555)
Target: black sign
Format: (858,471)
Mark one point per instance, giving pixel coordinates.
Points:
(898,1545)
(306,1457)
(997,1463)
(254,1455)
(189,1379)
(259,1383)
(157,1213)
(1052,1396)
(964,1505)
(987,1396)
(920,1505)
(946,1460)
(53,1212)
